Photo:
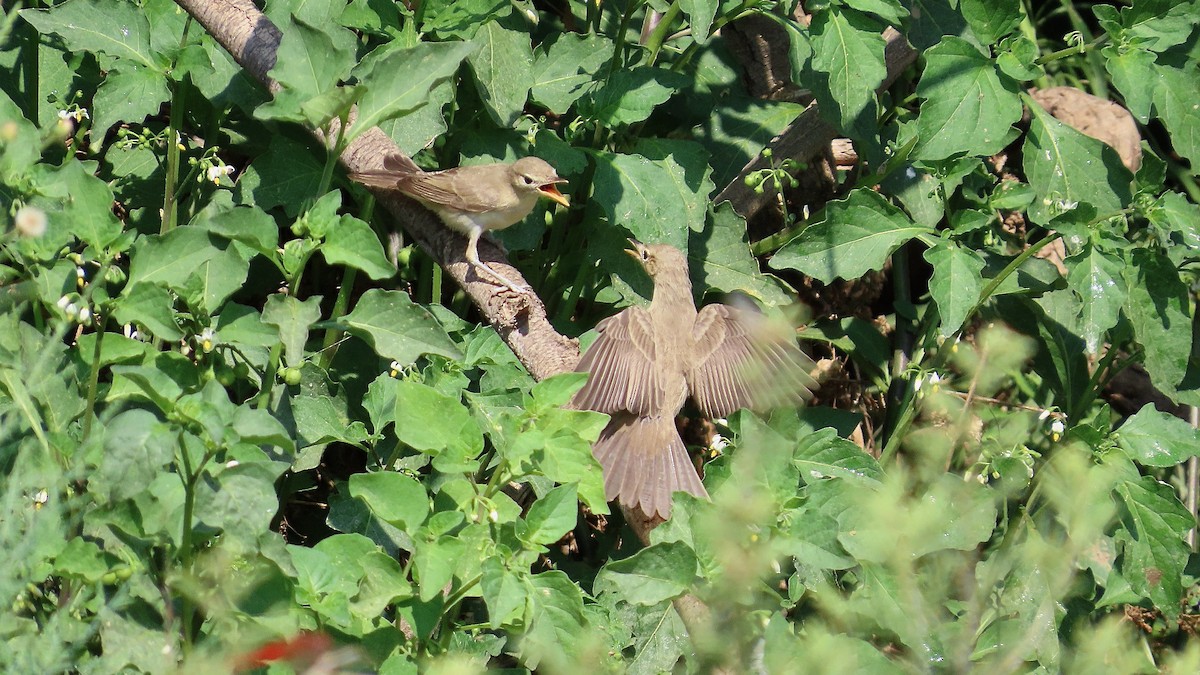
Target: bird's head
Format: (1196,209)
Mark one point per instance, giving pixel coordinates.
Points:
(657,258)
(532,174)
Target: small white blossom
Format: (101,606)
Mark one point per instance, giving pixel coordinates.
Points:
(84,314)
(206,339)
(1056,429)
(131,332)
(215,173)
(231,463)
(493,515)
(30,221)
(40,498)
(63,302)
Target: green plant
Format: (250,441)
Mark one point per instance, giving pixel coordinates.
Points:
(220,425)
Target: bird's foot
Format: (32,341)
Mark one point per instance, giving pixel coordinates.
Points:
(485,271)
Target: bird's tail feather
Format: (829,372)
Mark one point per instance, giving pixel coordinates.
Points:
(645,462)
(395,166)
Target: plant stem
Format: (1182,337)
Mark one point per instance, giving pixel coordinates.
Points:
(170,205)
(339,310)
(654,43)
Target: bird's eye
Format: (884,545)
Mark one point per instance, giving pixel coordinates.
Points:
(527,179)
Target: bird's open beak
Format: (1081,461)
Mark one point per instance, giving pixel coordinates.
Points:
(636,251)
(550,191)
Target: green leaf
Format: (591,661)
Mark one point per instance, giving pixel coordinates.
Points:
(416,130)
(1154,550)
(311,59)
(436,424)
(1160,312)
(956,283)
(136,448)
(824,454)
(565,65)
(992,19)
(644,196)
(503,67)
(503,591)
(1154,438)
(700,14)
(150,306)
(557,620)
(552,516)
(130,94)
(1135,75)
(653,574)
(435,562)
(930,20)
(193,263)
(969,108)
(249,225)
(77,204)
(117,29)
(401,80)
(1096,276)
(355,244)
(855,235)
(82,559)
(394,497)
(243,504)
(720,258)
(1175,105)
(293,318)
(397,328)
(848,60)
(1067,169)
(737,131)
(629,96)
(285,175)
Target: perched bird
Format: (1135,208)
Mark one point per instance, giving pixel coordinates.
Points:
(647,361)
(471,199)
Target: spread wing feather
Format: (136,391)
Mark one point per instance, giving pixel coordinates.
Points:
(621,363)
(740,364)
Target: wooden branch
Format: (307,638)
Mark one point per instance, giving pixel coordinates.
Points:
(252,40)
(806,137)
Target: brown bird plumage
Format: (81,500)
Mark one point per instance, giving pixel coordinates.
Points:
(471,199)
(647,361)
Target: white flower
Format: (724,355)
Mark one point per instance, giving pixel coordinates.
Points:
(231,463)
(206,339)
(30,221)
(63,114)
(40,498)
(493,515)
(63,302)
(215,173)
(1056,430)
(84,314)
(131,332)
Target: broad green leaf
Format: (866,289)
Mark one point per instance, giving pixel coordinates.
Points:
(150,306)
(956,283)
(436,424)
(322,419)
(565,66)
(557,620)
(1155,553)
(642,195)
(243,503)
(355,244)
(1160,313)
(130,94)
(255,425)
(136,448)
(992,19)
(1067,169)
(700,14)
(1154,438)
(931,20)
(117,29)
(552,516)
(293,318)
(557,390)
(738,130)
(920,193)
(310,61)
(503,591)
(824,454)
(394,497)
(503,67)
(383,583)
(286,175)
(969,108)
(77,204)
(83,560)
(215,279)
(248,224)
(1135,75)
(435,562)
(461,18)
(855,235)
(1096,277)
(398,328)
(687,168)
(659,572)
(416,130)
(720,258)
(401,80)
(629,96)
(184,259)
(848,60)
(1175,105)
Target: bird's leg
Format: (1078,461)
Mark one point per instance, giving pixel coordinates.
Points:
(482,269)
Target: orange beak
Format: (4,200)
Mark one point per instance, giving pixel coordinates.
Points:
(550,191)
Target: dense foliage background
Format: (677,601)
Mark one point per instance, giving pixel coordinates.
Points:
(226,418)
